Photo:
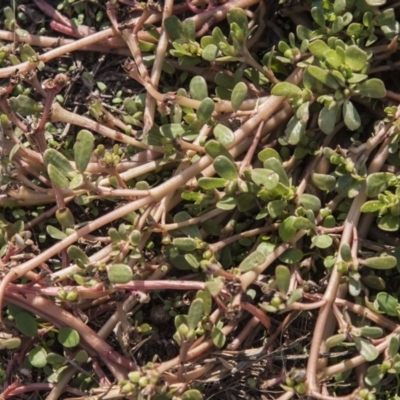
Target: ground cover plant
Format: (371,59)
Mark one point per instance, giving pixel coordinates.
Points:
(199,199)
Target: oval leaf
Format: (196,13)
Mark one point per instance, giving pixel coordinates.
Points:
(38,357)
(83,149)
(119,273)
(282,274)
(253,260)
(286,89)
(225,168)
(382,262)
(239,93)
(26,323)
(68,337)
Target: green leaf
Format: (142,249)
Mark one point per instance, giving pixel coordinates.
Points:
(83,149)
(350,115)
(172,131)
(225,168)
(189,29)
(303,223)
(345,252)
(265,177)
(192,231)
(38,357)
(195,313)
(318,48)
(269,153)
(68,337)
(174,27)
(218,337)
(55,233)
(214,287)
(58,160)
(238,16)
(382,262)
(207,301)
(327,119)
(310,202)
(286,89)
(227,203)
(295,130)
(215,149)
(282,275)
(212,183)
(239,93)
(287,229)
(275,165)
(185,244)
(387,303)
(119,273)
(324,182)
(205,110)
(323,76)
(26,324)
(55,359)
(373,332)
(224,135)
(378,182)
(356,58)
(191,394)
(57,177)
(389,223)
(275,208)
(25,106)
(394,345)
(322,241)
(296,295)
(198,88)
(373,88)
(245,202)
(75,253)
(371,206)
(366,349)
(210,52)
(291,256)
(374,374)
(253,260)
(373,282)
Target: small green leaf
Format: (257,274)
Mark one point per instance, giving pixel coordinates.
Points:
(387,303)
(214,287)
(25,106)
(287,229)
(68,337)
(389,223)
(327,119)
(295,130)
(174,27)
(265,177)
(378,182)
(205,110)
(185,244)
(227,203)
(350,116)
(318,48)
(269,153)
(189,29)
(394,346)
(55,359)
(172,131)
(275,165)
(282,275)
(356,58)
(215,149)
(286,89)
(322,241)
(55,233)
(382,262)
(58,160)
(324,182)
(218,338)
(238,16)
(192,231)
(207,301)
(239,93)
(253,260)
(224,135)
(57,177)
(195,313)
(192,394)
(83,149)
(225,168)
(26,323)
(335,340)
(210,52)
(373,332)
(373,88)
(119,273)
(198,88)
(310,202)
(323,76)
(291,256)
(38,357)
(212,183)
(366,349)
(296,295)
(345,252)
(373,282)
(371,206)
(374,375)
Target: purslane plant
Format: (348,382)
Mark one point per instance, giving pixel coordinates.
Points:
(248,177)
